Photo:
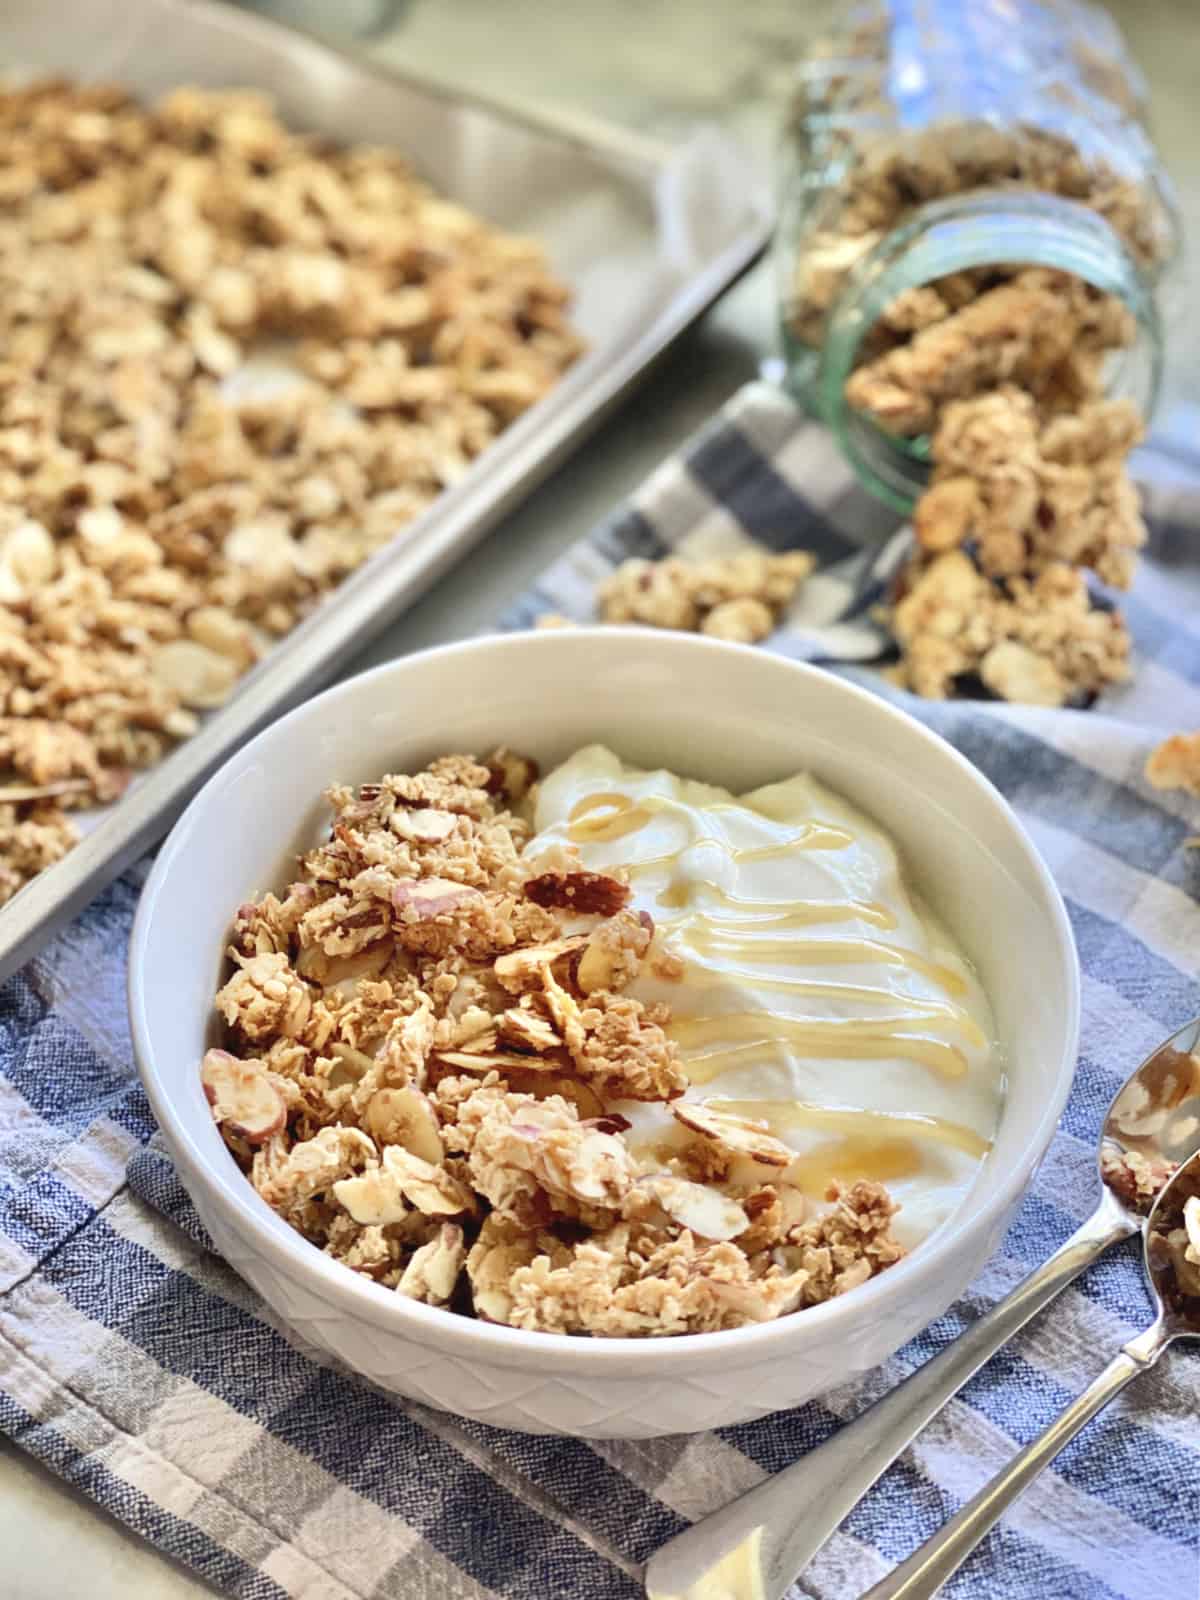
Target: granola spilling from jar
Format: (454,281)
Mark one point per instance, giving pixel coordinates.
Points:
(1029,497)
(1009,134)
(424,1036)
(236,361)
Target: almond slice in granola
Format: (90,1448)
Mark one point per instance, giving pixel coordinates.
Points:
(493,1259)
(405,1117)
(511,775)
(374,1198)
(527,1029)
(1191,1223)
(543,1086)
(497,1061)
(433,1268)
(738,1135)
(703,1211)
(431,1189)
(243,1098)
(524,969)
(423,826)
(424,899)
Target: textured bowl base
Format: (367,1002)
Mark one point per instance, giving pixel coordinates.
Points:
(583,1406)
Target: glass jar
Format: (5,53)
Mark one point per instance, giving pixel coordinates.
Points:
(929,138)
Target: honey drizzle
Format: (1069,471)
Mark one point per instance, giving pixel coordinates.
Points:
(855,1121)
(821,952)
(681,896)
(958,1016)
(839,1038)
(623,816)
(877,1145)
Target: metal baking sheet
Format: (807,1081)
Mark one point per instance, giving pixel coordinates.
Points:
(648,238)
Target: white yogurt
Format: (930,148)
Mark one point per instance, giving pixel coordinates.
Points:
(819,994)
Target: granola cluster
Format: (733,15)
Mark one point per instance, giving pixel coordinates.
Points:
(1173,1247)
(1135,1178)
(1035,640)
(738,597)
(429,1035)
(1030,486)
(1175,763)
(234,362)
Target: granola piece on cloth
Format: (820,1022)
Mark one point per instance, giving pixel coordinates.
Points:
(1175,763)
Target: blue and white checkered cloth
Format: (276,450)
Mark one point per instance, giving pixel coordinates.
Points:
(137,1365)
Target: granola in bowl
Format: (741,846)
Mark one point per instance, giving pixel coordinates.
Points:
(447,1064)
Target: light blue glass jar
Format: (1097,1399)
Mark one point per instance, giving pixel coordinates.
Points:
(928,138)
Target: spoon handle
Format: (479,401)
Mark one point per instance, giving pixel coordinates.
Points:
(795,1511)
(932,1563)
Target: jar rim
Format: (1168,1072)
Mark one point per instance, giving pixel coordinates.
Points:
(981,228)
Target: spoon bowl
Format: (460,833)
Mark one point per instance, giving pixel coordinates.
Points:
(1153,1123)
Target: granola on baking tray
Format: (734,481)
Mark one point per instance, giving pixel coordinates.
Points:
(167,507)
(427,1035)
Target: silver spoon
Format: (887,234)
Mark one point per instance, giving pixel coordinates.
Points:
(773,1531)
(1172,1265)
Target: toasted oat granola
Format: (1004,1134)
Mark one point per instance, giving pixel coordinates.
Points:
(739,597)
(1039,641)
(1047,332)
(429,1037)
(1135,1178)
(164,513)
(1175,763)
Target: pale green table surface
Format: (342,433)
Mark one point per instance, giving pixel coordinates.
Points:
(660,65)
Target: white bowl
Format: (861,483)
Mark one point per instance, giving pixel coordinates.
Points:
(725,713)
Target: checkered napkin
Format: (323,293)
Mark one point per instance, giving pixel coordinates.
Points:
(136,1364)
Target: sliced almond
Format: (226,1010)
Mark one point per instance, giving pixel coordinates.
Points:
(199,676)
(219,630)
(430,1188)
(511,775)
(739,1135)
(423,899)
(433,1269)
(519,969)
(405,1117)
(424,826)
(497,1061)
(497,1253)
(793,1205)
(344,972)
(374,1198)
(1191,1223)
(583,892)
(526,1028)
(355,1063)
(490,1286)
(242,1096)
(703,1211)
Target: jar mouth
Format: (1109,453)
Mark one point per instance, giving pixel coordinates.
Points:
(996,228)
